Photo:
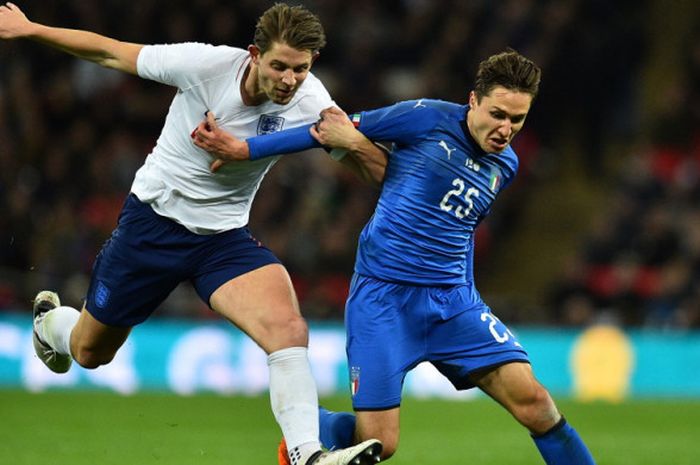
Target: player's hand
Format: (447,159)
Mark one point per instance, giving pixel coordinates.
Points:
(220,144)
(335,129)
(13,23)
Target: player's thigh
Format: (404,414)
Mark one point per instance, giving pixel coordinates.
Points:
(385,340)
(93,343)
(379,424)
(263,304)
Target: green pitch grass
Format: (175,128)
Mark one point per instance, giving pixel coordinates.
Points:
(62,428)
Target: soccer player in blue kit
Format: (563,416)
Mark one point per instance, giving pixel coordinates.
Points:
(413,297)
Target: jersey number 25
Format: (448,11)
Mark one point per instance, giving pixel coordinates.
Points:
(459,211)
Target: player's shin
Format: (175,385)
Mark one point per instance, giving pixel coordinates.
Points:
(337,428)
(294,401)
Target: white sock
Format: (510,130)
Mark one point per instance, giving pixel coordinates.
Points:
(294,401)
(55,326)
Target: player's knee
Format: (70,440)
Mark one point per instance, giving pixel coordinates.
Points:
(297,328)
(537,411)
(90,358)
(281,333)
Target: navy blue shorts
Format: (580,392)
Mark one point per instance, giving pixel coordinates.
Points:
(148,255)
(393,327)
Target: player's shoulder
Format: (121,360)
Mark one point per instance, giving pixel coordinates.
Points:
(313,96)
(435,107)
(197,52)
(435,104)
(435,111)
(312,86)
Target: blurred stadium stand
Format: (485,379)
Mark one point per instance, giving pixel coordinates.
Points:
(603,222)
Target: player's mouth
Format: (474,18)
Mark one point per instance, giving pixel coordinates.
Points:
(284,94)
(498,144)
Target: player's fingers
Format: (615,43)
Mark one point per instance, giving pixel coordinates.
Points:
(315,133)
(326,111)
(211,120)
(203,130)
(335,111)
(215,165)
(199,143)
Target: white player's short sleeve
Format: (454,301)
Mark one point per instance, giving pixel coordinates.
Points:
(184,65)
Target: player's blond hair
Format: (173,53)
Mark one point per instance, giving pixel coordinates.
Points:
(291,25)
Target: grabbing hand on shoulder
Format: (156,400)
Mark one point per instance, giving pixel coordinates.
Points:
(13,23)
(334,129)
(220,144)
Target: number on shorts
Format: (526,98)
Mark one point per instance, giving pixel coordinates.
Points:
(499,337)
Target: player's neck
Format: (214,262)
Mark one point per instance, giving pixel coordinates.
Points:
(250,90)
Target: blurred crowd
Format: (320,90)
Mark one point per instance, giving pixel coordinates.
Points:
(639,264)
(73,134)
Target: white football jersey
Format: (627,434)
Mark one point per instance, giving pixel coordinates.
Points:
(175,178)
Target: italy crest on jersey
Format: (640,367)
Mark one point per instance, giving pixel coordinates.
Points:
(269,124)
(355,118)
(495,180)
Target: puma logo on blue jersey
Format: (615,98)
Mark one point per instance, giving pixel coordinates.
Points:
(449,151)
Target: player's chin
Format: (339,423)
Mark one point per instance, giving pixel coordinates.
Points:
(282,98)
(280,101)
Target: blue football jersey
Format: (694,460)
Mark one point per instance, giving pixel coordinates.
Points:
(439,185)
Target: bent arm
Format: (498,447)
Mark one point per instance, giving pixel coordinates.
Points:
(365,158)
(90,46)
(368,161)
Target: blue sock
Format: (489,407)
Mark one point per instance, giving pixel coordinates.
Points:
(337,428)
(562,445)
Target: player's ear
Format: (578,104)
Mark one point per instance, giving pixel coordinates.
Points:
(314,55)
(254,53)
(472,99)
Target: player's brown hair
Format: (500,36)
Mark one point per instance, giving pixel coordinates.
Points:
(292,25)
(510,70)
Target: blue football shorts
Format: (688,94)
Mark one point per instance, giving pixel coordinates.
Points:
(148,255)
(393,327)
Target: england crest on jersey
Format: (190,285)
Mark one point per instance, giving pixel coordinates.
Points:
(269,124)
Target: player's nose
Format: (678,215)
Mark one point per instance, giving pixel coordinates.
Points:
(288,78)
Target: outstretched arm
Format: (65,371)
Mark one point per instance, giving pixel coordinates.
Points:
(102,50)
(366,159)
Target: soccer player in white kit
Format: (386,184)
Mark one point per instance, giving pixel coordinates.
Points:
(181,222)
